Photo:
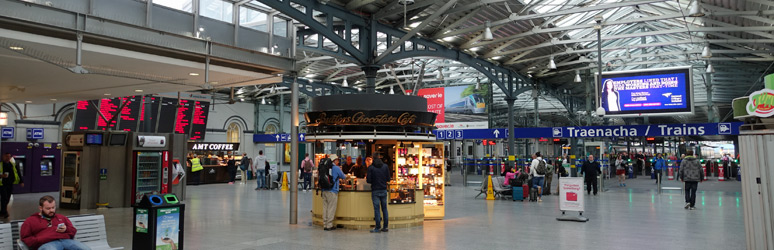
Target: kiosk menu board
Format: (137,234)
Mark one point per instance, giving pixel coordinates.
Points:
(85,115)
(109,109)
(152,104)
(167,115)
(646,92)
(184,114)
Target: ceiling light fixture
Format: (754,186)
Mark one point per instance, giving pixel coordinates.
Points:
(392,91)
(695,10)
(52,99)
(273,89)
(551,63)
(706,52)
(193,74)
(107,94)
(478,83)
(488,36)
(138,90)
(16,48)
(710,69)
(440,75)
(345,83)
(27,101)
(263,100)
(577,77)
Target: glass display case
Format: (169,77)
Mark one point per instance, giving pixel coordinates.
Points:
(422,166)
(401,193)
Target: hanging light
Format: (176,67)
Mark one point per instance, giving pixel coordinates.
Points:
(273,89)
(695,10)
(392,91)
(344,83)
(478,83)
(440,74)
(263,100)
(710,69)
(551,63)
(488,32)
(577,77)
(706,52)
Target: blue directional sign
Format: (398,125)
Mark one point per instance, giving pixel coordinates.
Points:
(35,133)
(277,138)
(694,129)
(8,132)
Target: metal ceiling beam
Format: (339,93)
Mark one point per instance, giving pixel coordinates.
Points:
(414,31)
(358,3)
(516,17)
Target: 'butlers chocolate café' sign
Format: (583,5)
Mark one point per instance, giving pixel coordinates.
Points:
(364,118)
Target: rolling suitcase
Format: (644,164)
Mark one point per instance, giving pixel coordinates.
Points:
(533,194)
(518,193)
(524,191)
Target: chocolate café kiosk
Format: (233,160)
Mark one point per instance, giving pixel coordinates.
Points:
(397,127)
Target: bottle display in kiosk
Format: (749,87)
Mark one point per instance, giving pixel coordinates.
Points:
(150,165)
(38,165)
(421,165)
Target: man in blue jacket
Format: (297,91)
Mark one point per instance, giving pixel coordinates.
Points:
(659,165)
(378,176)
(331,196)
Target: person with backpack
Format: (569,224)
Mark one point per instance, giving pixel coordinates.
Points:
(306,167)
(691,174)
(538,171)
(329,174)
(590,170)
(659,165)
(378,176)
(259,170)
(244,165)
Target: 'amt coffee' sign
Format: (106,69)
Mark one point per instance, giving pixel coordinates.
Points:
(203,146)
(35,133)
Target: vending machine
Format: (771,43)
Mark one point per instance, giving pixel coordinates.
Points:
(38,165)
(150,166)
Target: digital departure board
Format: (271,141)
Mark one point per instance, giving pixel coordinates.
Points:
(167,115)
(199,122)
(129,115)
(153,109)
(85,115)
(184,115)
(109,109)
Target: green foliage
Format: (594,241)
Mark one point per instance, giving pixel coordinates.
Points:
(483,91)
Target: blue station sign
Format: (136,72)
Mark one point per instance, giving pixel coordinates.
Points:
(655,130)
(35,133)
(277,138)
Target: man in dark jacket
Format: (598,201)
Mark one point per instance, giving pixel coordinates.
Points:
(378,176)
(10,175)
(49,230)
(590,171)
(691,174)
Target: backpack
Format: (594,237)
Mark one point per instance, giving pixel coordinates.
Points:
(541,168)
(324,180)
(550,168)
(307,166)
(244,163)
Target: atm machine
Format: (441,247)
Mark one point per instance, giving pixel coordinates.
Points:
(38,164)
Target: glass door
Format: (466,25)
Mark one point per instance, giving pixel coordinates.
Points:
(148,174)
(70,177)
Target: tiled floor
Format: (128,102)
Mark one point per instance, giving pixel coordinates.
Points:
(222,216)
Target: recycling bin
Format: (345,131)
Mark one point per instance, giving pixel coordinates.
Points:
(158,223)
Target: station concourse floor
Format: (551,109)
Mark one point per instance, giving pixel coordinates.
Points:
(222,216)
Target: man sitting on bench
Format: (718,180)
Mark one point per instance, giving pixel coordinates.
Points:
(48,230)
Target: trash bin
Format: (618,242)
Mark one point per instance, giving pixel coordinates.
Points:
(158,223)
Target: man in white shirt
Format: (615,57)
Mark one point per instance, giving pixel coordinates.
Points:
(538,180)
(258,166)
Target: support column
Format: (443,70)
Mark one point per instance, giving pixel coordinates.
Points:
(537,122)
(370,73)
(294,150)
(588,97)
(511,131)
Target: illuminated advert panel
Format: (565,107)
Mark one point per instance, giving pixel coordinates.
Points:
(664,91)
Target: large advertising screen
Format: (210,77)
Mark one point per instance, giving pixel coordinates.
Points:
(646,92)
(458,107)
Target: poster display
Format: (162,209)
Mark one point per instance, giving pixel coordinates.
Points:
(646,92)
(571,194)
(141,220)
(167,228)
(458,107)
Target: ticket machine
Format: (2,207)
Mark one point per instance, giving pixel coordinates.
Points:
(38,164)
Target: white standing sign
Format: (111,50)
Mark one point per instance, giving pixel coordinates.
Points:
(571,194)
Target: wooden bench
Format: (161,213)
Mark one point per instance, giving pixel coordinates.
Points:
(91,232)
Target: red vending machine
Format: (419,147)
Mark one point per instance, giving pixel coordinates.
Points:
(150,166)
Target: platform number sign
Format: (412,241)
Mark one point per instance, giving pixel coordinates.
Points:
(458,134)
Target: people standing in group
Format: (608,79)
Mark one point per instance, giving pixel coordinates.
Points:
(307,166)
(231,167)
(378,176)
(9,173)
(259,171)
(691,174)
(659,164)
(590,171)
(244,165)
(538,175)
(330,196)
(620,170)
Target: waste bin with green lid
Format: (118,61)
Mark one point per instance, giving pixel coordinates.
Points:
(158,223)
